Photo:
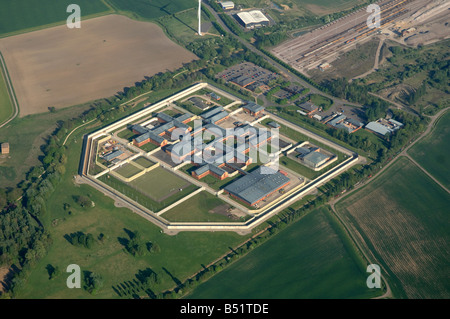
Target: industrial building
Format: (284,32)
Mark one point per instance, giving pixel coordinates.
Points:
(227,5)
(344,123)
(309,107)
(383,126)
(257,185)
(253,19)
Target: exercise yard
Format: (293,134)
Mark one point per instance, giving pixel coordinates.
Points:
(159,184)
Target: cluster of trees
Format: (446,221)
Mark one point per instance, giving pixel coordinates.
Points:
(53,271)
(83,201)
(231,24)
(81,239)
(414,96)
(137,246)
(93,282)
(357,93)
(143,283)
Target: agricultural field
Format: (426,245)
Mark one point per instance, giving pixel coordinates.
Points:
(152,10)
(20,16)
(309,259)
(97,60)
(6,106)
(402,217)
(433,153)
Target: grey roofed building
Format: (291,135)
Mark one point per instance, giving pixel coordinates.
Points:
(343,127)
(139,128)
(337,119)
(217,117)
(378,128)
(198,103)
(216,130)
(274,124)
(112,155)
(302,151)
(183,117)
(212,112)
(151,135)
(392,121)
(308,106)
(253,107)
(164,117)
(315,159)
(354,122)
(243,80)
(209,167)
(255,186)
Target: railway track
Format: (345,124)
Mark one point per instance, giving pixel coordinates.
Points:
(309,52)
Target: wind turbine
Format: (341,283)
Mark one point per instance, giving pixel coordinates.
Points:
(200,17)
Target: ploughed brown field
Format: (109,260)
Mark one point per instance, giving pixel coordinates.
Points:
(61,67)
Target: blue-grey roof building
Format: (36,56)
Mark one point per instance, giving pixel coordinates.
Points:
(257,185)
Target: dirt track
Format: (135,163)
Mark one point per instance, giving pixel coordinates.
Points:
(61,67)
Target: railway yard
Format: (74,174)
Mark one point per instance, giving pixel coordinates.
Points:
(324,45)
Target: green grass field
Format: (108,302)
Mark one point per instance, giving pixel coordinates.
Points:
(433,152)
(143,196)
(144,162)
(6,106)
(321,101)
(300,168)
(306,260)
(403,218)
(198,209)
(158,183)
(26,135)
(26,15)
(127,170)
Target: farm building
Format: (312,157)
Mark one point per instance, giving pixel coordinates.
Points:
(253,109)
(5,148)
(257,185)
(227,5)
(253,19)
